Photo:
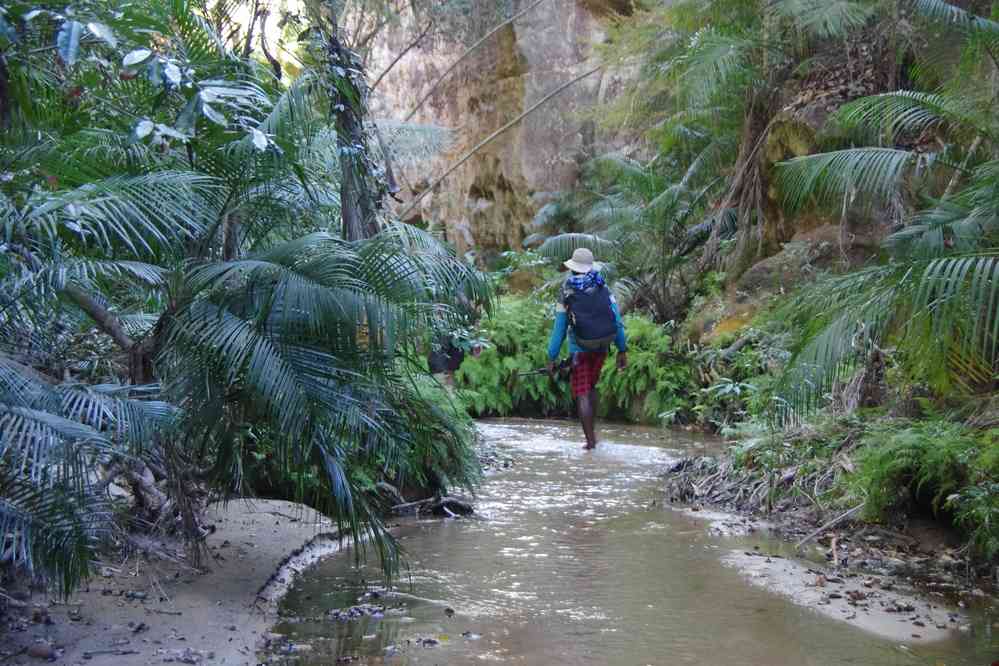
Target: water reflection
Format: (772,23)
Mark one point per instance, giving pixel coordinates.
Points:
(569,563)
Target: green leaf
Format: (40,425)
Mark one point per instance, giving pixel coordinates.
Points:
(213,115)
(144,128)
(103,33)
(166,130)
(68,42)
(136,58)
(34,13)
(188,116)
(7,31)
(171,72)
(259,139)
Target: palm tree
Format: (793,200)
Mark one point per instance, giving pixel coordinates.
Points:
(935,296)
(184,202)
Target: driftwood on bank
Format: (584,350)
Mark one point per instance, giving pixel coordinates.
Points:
(438,506)
(832,523)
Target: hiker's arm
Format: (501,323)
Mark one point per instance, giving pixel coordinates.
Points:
(620,339)
(558,332)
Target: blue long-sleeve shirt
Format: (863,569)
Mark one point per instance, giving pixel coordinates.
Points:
(562,327)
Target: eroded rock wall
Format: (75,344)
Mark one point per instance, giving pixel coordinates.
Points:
(489,202)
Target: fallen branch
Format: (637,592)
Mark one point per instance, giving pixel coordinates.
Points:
(391,490)
(835,521)
(11,602)
(441,505)
(14,654)
(729,353)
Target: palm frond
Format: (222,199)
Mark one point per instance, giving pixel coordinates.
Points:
(409,144)
(909,113)
(944,12)
(875,172)
(825,20)
(962,223)
(141,213)
(50,531)
(959,295)
(843,319)
(715,64)
(915,305)
(51,438)
(562,246)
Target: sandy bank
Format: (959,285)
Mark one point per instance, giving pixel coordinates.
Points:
(882,605)
(866,602)
(150,612)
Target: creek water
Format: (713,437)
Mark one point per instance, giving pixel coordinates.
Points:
(573,560)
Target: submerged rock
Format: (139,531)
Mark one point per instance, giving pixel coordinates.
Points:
(356,612)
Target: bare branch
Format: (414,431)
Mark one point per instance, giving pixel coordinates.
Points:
(413,44)
(470,50)
(489,139)
(104,318)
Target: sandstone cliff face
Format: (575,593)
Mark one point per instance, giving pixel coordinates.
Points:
(488,204)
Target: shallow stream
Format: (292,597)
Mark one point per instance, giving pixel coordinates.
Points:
(572,560)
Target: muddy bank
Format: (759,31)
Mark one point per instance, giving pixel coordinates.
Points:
(150,610)
(919,555)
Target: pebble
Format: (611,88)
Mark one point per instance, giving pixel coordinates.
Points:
(41,651)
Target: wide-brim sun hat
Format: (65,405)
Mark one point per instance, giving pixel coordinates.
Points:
(582,261)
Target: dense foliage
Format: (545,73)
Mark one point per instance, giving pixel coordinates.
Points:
(728,92)
(892,468)
(860,132)
(184,292)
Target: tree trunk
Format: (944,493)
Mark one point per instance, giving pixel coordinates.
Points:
(230,237)
(360,190)
(4,94)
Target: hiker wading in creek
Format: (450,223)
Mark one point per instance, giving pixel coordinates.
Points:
(587,310)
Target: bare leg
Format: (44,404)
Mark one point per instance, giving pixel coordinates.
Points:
(587,405)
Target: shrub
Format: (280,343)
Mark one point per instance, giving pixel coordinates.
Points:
(656,385)
(944,465)
(517,331)
(903,465)
(656,382)
(437,456)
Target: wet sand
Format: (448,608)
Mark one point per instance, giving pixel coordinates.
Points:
(142,612)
